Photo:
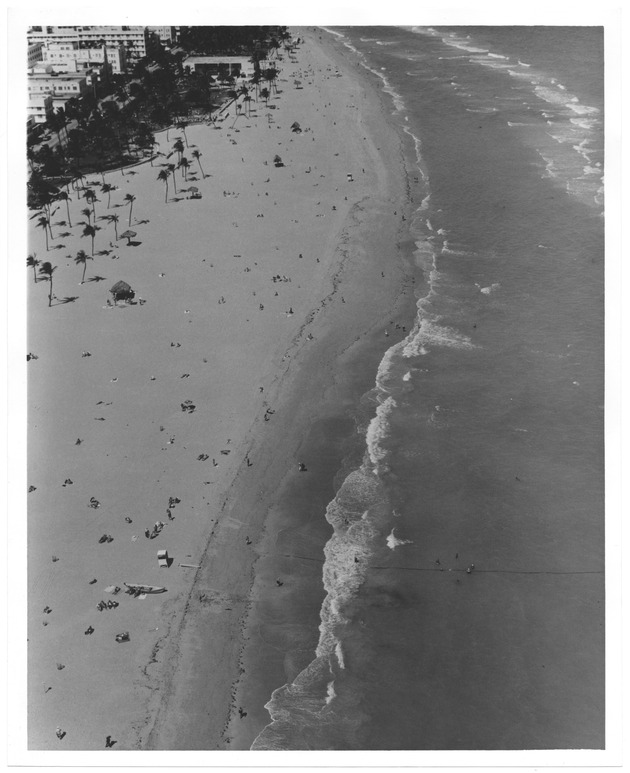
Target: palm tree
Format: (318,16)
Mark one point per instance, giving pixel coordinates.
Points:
(90,231)
(163,175)
(107,188)
(171,169)
(88,213)
(178,147)
(196,154)
(255,79)
(184,164)
(182,125)
(130,198)
(63,196)
(43,222)
(90,197)
(114,219)
(82,258)
(32,262)
(47,270)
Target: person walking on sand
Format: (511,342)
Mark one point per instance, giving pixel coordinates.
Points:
(60,733)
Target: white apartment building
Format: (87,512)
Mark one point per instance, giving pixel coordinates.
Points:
(165,34)
(39,107)
(34,54)
(43,80)
(71,56)
(136,41)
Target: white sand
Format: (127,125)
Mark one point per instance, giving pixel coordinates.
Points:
(134,379)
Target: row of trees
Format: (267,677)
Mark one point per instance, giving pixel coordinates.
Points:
(231,40)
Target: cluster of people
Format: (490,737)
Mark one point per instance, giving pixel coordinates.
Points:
(157,528)
(102,605)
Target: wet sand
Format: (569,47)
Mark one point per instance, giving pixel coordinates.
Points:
(217,331)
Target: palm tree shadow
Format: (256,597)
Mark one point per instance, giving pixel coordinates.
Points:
(67,299)
(133,244)
(96,278)
(103,252)
(59,247)
(142,222)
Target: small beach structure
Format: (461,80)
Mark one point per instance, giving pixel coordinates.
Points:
(121,291)
(128,235)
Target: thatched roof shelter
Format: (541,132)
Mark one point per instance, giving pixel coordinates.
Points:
(122,291)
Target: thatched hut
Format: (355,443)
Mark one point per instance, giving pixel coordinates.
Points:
(122,292)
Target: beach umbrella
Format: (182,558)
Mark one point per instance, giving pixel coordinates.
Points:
(193,189)
(128,236)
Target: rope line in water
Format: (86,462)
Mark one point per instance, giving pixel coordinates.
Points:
(464,571)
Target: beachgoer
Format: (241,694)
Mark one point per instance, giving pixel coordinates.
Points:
(147,533)
(279,582)
(302,467)
(60,733)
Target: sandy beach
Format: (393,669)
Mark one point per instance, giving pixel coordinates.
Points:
(194,408)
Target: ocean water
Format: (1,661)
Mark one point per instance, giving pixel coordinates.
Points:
(464,573)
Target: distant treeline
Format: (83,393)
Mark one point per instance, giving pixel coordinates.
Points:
(230,40)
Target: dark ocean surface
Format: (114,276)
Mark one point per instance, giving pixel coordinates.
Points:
(484,434)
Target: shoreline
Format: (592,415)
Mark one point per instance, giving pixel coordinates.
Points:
(177,686)
(329,419)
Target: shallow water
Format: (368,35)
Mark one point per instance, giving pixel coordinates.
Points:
(484,431)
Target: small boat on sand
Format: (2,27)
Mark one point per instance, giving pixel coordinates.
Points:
(136,588)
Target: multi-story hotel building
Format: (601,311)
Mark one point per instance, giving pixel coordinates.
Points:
(136,41)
